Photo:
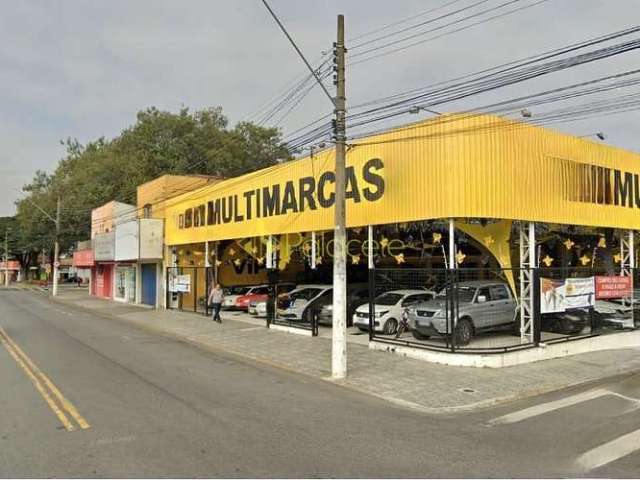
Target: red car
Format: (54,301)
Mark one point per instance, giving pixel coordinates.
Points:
(260,294)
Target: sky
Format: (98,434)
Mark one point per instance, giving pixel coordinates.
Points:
(72,68)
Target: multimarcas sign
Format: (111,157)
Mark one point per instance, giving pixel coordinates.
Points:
(454,166)
(307,193)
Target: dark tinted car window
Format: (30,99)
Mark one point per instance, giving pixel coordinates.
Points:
(499,292)
(484,292)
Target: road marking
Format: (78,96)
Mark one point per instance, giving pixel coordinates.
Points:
(610,451)
(61,416)
(543,408)
(66,404)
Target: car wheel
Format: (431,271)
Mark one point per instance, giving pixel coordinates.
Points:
(390,327)
(419,336)
(464,331)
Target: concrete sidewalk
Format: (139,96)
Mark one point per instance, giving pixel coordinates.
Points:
(415,384)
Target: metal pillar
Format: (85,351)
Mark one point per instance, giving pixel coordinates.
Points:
(314,251)
(627,264)
(527,265)
(270,252)
(370,246)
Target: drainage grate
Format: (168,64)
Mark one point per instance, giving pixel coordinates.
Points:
(467,390)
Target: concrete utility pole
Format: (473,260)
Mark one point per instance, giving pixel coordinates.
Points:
(339,331)
(6,258)
(56,252)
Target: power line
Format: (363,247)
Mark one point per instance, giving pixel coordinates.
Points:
(466,27)
(284,30)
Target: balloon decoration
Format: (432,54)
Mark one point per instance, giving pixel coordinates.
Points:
(399,258)
(460,257)
(584,259)
(218,263)
(231,251)
(617,258)
(488,241)
(318,260)
(547,260)
(437,237)
(384,242)
(238,262)
(568,243)
(602,243)
(260,260)
(355,259)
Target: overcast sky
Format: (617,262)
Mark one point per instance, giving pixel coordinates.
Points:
(83,69)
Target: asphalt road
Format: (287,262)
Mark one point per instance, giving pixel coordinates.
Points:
(156,407)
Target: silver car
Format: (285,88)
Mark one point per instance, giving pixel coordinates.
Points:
(482,305)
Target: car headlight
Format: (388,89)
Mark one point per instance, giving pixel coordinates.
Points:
(380,314)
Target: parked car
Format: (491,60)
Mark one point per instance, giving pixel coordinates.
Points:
(260,309)
(482,305)
(248,301)
(303,303)
(357,294)
(388,308)
(232,294)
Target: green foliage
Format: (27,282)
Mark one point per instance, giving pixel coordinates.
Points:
(158,143)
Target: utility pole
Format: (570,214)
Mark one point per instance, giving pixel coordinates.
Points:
(56,251)
(339,331)
(6,258)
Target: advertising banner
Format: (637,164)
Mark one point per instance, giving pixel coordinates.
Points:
(566,294)
(104,246)
(613,287)
(151,238)
(127,241)
(83,258)
(180,284)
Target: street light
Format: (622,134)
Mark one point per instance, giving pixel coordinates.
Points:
(599,135)
(416,109)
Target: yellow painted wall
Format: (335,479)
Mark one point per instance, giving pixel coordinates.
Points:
(157,191)
(452,166)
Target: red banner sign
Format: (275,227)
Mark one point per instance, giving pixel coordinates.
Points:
(613,287)
(83,258)
(11,265)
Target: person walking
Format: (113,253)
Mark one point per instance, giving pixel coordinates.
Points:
(215,300)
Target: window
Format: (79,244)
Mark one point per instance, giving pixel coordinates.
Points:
(499,292)
(147,210)
(413,299)
(484,292)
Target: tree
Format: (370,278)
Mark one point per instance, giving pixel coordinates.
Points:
(159,142)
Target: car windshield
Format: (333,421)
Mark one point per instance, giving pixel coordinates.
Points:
(260,291)
(305,294)
(465,294)
(388,299)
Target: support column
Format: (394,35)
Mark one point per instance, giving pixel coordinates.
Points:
(527,265)
(314,250)
(370,246)
(269,252)
(452,244)
(627,264)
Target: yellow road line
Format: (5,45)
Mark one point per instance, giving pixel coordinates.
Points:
(66,404)
(61,416)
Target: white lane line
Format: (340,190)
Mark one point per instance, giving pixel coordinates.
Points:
(543,408)
(610,451)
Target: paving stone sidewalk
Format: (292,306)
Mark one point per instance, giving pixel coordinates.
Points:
(424,386)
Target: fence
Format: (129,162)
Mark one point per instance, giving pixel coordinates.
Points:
(477,310)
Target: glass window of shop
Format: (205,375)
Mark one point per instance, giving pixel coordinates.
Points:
(125,284)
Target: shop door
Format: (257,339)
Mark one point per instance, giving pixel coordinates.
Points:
(149,284)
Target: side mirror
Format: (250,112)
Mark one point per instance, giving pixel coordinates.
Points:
(482,299)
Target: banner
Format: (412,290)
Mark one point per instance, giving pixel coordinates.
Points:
(566,294)
(613,287)
(180,283)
